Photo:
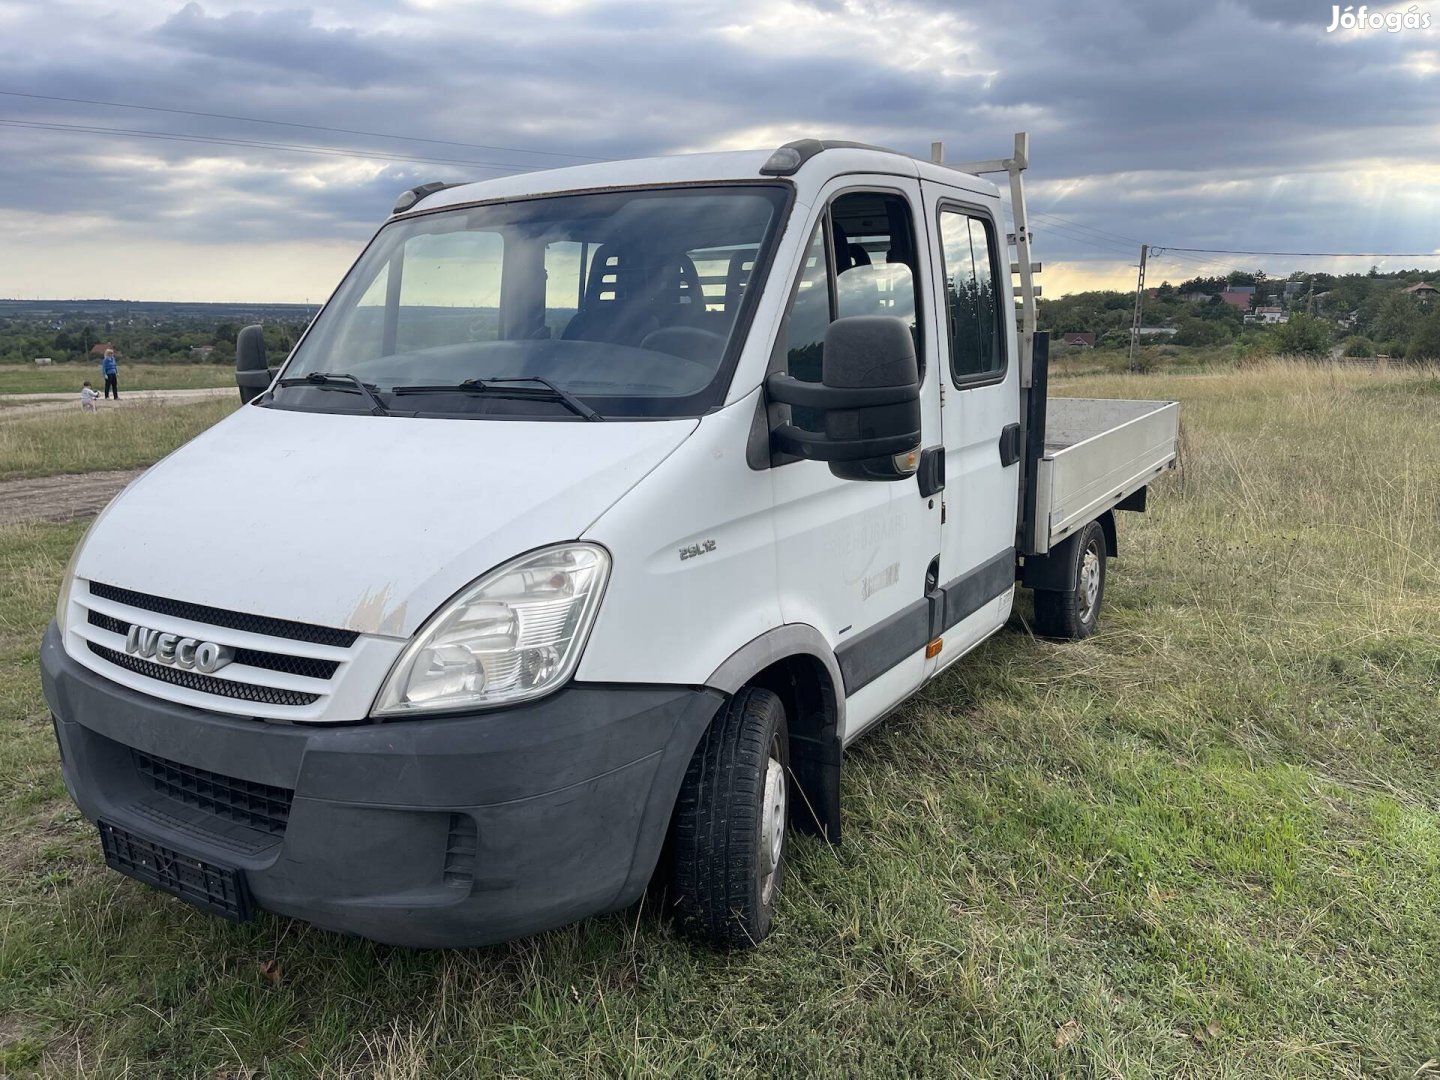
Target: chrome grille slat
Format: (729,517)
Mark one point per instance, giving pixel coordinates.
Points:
(205,684)
(305,666)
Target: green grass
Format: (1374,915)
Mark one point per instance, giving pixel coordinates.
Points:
(1204,843)
(67,378)
(74,441)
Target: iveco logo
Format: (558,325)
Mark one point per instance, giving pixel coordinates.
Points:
(182,652)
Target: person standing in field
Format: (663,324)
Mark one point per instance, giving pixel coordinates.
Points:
(87,397)
(111,371)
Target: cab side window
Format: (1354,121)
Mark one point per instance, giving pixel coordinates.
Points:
(977,342)
(861,260)
(810,311)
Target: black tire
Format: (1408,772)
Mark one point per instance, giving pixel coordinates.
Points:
(1075,613)
(720,887)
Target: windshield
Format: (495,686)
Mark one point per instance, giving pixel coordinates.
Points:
(629,301)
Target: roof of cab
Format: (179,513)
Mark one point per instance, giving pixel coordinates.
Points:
(696,168)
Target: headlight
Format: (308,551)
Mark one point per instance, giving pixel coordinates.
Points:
(515,634)
(67,584)
(67,580)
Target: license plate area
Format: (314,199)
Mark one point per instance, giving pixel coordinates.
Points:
(220,890)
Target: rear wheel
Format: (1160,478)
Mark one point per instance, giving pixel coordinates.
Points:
(729,833)
(1075,613)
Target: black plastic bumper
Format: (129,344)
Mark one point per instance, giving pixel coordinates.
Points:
(462,830)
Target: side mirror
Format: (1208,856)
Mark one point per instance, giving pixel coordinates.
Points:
(868,396)
(252,375)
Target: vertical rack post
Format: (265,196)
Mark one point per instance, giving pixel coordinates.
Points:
(1016,167)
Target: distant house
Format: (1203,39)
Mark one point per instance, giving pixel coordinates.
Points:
(1423,292)
(1238,298)
(1157,331)
(1293,289)
(201,352)
(1248,290)
(1270,316)
(98,351)
(1084,341)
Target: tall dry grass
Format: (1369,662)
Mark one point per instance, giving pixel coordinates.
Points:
(51,443)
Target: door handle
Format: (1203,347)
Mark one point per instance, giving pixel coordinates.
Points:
(931,473)
(1010,445)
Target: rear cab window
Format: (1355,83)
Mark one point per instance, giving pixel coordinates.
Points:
(973,297)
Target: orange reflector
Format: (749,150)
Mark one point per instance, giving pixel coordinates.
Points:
(908,462)
(933,649)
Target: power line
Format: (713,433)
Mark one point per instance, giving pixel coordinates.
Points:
(1172,251)
(1315,254)
(1111,239)
(1047,227)
(293,148)
(1130,240)
(291,124)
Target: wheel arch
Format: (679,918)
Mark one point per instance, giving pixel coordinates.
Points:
(1054,570)
(795,663)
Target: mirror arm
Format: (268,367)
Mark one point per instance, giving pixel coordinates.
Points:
(789,390)
(815,446)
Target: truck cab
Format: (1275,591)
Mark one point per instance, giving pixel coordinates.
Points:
(592,519)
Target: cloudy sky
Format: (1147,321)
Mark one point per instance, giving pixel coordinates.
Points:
(1233,124)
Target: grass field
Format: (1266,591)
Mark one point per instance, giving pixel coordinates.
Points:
(1204,843)
(74,441)
(67,378)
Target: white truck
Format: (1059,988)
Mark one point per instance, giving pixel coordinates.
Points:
(596,514)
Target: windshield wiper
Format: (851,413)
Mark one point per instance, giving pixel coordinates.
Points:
(503,387)
(339,380)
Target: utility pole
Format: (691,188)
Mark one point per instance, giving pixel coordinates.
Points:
(1139,304)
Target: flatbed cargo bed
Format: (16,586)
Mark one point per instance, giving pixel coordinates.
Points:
(1097,453)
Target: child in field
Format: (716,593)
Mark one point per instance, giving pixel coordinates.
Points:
(87,397)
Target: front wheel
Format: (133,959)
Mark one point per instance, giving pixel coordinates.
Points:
(729,832)
(1075,613)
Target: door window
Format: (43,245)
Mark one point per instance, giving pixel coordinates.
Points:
(977,349)
(861,261)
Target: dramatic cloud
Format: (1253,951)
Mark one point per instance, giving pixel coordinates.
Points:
(1238,124)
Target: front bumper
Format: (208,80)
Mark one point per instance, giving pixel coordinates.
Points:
(459,830)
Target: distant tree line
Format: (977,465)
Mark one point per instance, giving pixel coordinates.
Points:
(1361,314)
(177,340)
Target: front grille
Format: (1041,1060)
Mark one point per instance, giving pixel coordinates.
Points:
(307,666)
(205,684)
(258,806)
(231,620)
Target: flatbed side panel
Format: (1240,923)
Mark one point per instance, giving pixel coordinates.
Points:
(1097,462)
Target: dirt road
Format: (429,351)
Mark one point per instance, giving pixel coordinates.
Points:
(16,406)
(60,498)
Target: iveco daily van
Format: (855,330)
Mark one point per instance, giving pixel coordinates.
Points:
(593,517)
